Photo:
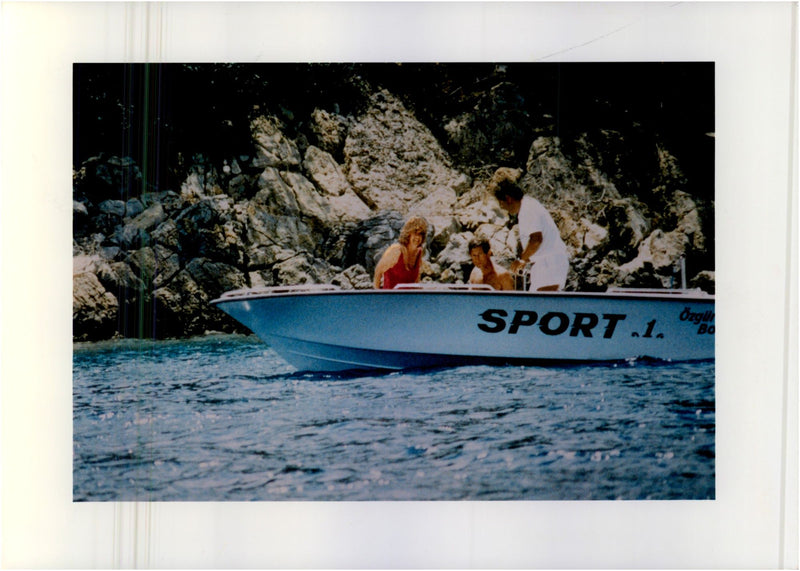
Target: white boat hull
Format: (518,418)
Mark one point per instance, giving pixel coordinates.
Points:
(339,330)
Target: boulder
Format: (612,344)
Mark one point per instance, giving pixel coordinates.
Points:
(274,230)
(343,203)
(215,278)
(393,161)
(143,264)
(86,263)
(94,310)
(150,218)
(367,240)
(130,237)
(81,223)
(108,177)
(304,269)
(167,265)
(354,277)
(593,235)
(704,280)
(133,208)
(182,308)
(135,234)
(122,281)
(657,259)
(483,211)
(325,172)
(115,207)
(170,201)
(241,187)
(455,255)
(273,148)
(167,235)
(209,228)
(329,129)
(310,203)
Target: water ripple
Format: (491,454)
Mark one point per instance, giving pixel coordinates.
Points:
(222,418)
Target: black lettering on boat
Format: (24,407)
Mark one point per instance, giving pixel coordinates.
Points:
(613,319)
(522,318)
(697,318)
(551,323)
(495,317)
(584,323)
(547,318)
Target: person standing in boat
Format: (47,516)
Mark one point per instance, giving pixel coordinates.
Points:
(485,271)
(541,242)
(401,262)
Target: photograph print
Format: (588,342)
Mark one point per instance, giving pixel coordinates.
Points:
(393,282)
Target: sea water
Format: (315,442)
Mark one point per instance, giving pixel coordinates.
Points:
(223,418)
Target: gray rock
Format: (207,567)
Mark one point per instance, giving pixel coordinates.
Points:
(393,161)
(354,277)
(94,310)
(110,253)
(167,265)
(705,280)
(166,234)
(304,269)
(79,209)
(657,259)
(240,187)
(309,201)
(130,237)
(261,278)
(330,130)
(120,279)
(169,200)
(215,278)
(143,264)
(325,172)
(273,148)
(133,208)
(366,241)
(115,207)
(150,218)
(86,263)
(455,254)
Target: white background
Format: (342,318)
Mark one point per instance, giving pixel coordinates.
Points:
(753,521)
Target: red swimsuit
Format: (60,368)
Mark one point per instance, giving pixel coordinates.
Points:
(399,274)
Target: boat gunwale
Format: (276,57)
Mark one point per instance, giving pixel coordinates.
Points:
(656,295)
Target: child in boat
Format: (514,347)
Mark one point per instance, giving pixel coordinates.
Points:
(485,271)
(541,242)
(401,262)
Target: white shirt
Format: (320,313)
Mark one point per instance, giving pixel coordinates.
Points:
(533,217)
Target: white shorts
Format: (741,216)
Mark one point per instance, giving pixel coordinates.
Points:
(551,270)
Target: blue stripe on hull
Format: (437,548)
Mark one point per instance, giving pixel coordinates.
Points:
(318,357)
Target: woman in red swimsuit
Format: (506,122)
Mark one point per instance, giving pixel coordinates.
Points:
(400,263)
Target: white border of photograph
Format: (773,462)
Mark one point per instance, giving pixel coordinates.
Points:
(752,523)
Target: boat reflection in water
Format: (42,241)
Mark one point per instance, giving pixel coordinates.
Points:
(325,328)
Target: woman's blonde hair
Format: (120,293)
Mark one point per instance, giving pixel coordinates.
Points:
(413,225)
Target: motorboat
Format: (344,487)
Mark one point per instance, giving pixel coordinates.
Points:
(318,327)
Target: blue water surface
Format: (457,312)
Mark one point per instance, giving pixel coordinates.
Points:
(223,418)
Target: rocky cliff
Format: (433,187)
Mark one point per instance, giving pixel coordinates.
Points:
(315,194)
